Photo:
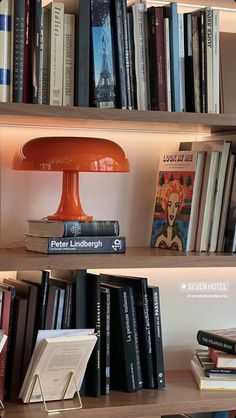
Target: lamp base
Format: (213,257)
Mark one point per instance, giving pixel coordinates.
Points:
(62,217)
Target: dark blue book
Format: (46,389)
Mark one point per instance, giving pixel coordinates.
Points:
(36,49)
(18,50)
(105,340)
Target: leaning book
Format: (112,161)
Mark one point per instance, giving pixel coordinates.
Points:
(174,200)
(76,245)
(54,360)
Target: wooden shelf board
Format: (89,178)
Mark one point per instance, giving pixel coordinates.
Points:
(20,259)
(76,117)
(180,395)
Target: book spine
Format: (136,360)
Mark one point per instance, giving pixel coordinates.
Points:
(67,311)
(44,57)
(189,81)
(104,77)
(171,12)
(167,62)
(208,61)
(60,307)
(120,54)
(5,50)
(68,59)
(5,319)
(86,245)
(153,59)
(140,55)
(105,340)
(80,299)
(216,341)
(196,62)
(137,360)
(216,60)
(42,301)
(220,185)
(93,373)
(29,20)
(93,228)
(36,51)
(128,342)
(18,53)
(132,60)
(82,54)
(56,53)
(209,202)
(127,55)
(181,61)
(203,80)
(50,307)
(161,76)
(230,231)
(157,347)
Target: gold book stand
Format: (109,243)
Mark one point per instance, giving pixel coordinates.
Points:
(71,377)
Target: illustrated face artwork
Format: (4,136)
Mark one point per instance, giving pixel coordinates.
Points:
(172,208)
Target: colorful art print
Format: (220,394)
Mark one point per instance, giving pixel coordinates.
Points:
(172,209)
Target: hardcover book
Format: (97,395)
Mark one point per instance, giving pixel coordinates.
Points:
(103,64)
(46,228)
(173,200)
(77,245)
(221,339)
(222,360)
(210,369)
(5,56)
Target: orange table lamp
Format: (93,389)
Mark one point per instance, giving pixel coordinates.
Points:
(70,155)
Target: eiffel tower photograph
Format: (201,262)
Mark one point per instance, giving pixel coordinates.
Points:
(105,87)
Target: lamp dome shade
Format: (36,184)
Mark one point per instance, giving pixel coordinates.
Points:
(71,154)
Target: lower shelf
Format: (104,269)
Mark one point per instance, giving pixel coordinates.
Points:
(181,395)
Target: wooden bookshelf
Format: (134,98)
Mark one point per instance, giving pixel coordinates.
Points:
(29,115)
(20,259)
(180,395)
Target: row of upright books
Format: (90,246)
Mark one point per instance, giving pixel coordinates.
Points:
(195,198)
(214,368)
(123,311)
(109,55)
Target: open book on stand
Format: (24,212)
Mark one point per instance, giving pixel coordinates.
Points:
(54,359)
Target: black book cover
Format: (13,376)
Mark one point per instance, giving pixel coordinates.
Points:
(156,333)
(105,340)
(130,31)
(221,339)
(82,55)
(230,231)
(139,285)
(188,63)
(36,49)
(119,48)
(124,373)
(103,63)
(93,303)
(152,46)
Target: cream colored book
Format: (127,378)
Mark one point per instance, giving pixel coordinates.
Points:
(68,60)
(53,361)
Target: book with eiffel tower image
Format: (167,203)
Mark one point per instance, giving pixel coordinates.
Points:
(104,80)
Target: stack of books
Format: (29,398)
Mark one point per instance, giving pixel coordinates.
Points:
(74,237)
(215,369)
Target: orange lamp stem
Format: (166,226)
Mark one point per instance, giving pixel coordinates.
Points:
(70,207)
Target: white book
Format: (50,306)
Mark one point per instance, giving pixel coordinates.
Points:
(56,53)
(209,202)
(54,359)
(138,11)
(219,196)
(181,61)
(69,61)
(167,61)
(193,221)
(225,204)
(5,49)
(216,60)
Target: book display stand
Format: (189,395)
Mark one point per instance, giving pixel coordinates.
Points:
(71,377)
